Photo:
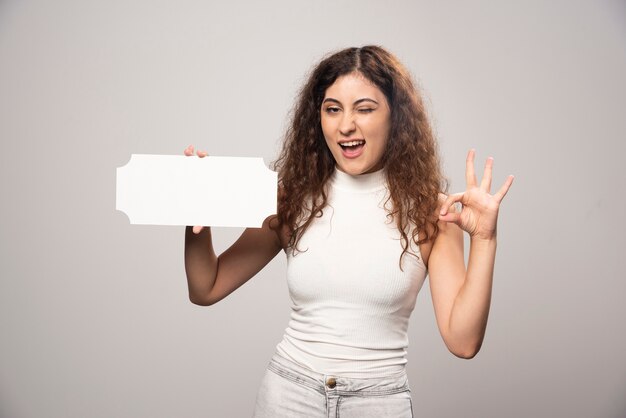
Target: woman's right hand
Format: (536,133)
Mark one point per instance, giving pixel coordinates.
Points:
(189,152)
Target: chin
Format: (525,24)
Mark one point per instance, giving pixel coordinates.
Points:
(353,171)
(356,170)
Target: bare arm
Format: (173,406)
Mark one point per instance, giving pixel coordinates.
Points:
(211,278)
(462,297)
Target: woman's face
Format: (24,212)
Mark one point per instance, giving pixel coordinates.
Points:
(356,120)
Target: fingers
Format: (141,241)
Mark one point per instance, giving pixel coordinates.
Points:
(504,189)
(189,152)
(470,176)
(450,200)
(445,214)
(485,183)
(451,217)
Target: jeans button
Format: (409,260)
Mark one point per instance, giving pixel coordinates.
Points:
(331,382)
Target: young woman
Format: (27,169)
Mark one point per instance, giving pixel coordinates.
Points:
(362,217)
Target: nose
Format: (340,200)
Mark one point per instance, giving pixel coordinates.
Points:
(347,125)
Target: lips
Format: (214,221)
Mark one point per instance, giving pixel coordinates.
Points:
(352,148)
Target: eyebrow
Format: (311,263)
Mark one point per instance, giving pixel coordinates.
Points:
(359,101)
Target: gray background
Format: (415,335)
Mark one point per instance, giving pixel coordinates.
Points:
(94,314)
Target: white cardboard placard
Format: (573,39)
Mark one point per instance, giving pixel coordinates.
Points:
(209,191)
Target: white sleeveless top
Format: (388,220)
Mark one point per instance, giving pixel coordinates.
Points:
(351,302)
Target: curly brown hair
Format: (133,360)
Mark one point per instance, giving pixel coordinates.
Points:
(411,160)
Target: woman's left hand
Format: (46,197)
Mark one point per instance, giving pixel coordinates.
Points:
(479,214)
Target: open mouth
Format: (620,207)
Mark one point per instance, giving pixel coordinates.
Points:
(352,149)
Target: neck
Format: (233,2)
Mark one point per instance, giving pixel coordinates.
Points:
(362,182)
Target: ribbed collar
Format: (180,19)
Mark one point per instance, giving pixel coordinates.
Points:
(362,183)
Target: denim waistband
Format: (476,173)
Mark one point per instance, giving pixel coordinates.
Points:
(327,383)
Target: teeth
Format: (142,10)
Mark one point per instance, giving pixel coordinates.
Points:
(351,143)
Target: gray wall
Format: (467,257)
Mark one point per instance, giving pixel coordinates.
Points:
(94,315)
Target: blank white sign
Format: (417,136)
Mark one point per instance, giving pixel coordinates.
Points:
(210,191)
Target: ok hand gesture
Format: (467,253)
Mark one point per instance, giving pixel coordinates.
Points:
(479,214)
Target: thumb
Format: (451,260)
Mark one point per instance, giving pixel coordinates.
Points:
(454,217)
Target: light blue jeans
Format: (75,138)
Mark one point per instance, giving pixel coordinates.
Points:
(289,390)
